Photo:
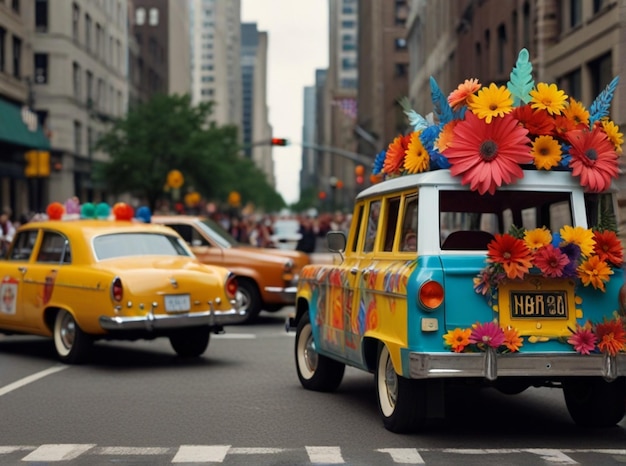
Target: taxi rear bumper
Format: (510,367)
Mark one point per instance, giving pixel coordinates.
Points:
(491,365)
(151,321)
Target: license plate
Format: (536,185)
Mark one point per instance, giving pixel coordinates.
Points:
(177,303)
(531,304)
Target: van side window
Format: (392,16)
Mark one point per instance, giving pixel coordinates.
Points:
(372,226)
(600,211)
(393,207)
(409,225)
(358,219)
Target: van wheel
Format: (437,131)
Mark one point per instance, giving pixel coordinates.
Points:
(315,371)
(401,401)
(594,402)
(70,342)
(250,299)
(190,342)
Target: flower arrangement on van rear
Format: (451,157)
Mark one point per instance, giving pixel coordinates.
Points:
(588,255)
(481,337)
(486,134)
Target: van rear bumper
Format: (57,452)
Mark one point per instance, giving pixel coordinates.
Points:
(491,365)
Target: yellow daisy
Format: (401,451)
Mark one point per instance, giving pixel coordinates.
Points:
(417,159)
(537,238)
(546,151)
(612,131)
(576,112)
(582,237)
(594,272)
(549,98)
(492,101)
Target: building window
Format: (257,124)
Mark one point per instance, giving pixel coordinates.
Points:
(601,73)
(153,17)
(15,5)
(75,20)
(598,5)
(88,32)
(76,79)
(501,47)
(140,16)
(3,33)
(571,83)
(78,142)
(402,69)
(89,141)
(17,57)
(575,13)
(348,24)
(41,16)
(89,86)
(41,68)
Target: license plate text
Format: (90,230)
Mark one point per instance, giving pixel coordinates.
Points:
(539,304)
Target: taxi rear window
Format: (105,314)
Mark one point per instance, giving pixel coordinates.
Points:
(137,244)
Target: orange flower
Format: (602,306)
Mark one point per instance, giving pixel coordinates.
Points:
(458,97)
(488,155)
(537,122)
(458,339)
(611,336)
(608,247)
(396,151)
(594,271)
(512,340)
(512,253)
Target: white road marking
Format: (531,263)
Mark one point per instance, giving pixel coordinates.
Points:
(553,456)
(10,449)
(404,455)
(121,451)
(255,451)
(58,452)
(201,454)
(235,336)
(31,378)
(325,455)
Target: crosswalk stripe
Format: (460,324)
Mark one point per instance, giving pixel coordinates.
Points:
(120,451)
(553,456)
(58,452)
(255,451)
(201,454)
(325,455)
(403,455)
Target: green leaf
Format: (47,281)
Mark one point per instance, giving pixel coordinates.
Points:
(521,80)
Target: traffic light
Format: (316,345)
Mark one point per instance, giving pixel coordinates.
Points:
(37,164)
(279,142)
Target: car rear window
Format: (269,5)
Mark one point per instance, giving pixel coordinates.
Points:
(137,244)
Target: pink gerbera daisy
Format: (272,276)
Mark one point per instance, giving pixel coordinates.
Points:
(488,155)
(593,158)
(487,334)
(583,339)
(551,261)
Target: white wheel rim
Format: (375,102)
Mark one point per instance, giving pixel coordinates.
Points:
(64,332)
(306,354)
(387,383)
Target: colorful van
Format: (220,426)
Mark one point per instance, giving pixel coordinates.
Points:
(488,255)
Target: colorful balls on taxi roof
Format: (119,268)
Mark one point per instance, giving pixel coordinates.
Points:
(103,210)
(55,211)
(123,211)
(88,210)
(143,213)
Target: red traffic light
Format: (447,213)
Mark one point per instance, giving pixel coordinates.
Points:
(279,142)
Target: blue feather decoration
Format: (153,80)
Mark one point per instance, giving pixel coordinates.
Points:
(417,121)
(600,107)
(521,80)
(440,103)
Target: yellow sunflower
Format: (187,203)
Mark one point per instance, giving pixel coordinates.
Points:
(546,152)
(612,131)
(549,98)
(537,238)
(576,112)
(582,237)
(492,101)
(417,159)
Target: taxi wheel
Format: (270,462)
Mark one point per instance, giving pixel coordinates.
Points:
(190,342)
(316,372)
(401,401)
(71,343)
(250,299)
(594,402)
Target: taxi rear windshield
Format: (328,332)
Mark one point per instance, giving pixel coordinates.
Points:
(137,244)
(468,220)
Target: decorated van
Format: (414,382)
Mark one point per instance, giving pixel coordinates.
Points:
(487,255)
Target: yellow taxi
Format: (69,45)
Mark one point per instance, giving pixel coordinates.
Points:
(266,277)
(82,280)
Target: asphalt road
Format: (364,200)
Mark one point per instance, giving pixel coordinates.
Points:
(241,403)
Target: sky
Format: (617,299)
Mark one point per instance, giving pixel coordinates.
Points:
(297,46)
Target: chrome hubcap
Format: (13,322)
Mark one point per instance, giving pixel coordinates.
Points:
(68,331)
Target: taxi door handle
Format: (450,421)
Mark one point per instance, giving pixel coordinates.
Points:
(366,272)
(22,270)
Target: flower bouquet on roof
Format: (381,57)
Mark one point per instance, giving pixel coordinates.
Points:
(487,134)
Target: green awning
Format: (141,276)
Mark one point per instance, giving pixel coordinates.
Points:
(14,128)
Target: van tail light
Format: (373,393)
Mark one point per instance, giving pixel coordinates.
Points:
(231,286)
(431,294)
(117,290)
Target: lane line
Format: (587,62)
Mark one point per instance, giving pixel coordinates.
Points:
(325,455)
(58,452)
(201,454)
(30,379)
(403,455)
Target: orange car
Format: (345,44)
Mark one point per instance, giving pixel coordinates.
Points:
(266,277)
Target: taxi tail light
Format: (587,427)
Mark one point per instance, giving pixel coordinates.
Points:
(117,290)
(231,286)
(431,294)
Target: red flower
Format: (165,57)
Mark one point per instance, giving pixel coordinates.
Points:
(551,261)
(593,158)
(512,253)
(537,122)
(608,247)
(488,155)
(611,336)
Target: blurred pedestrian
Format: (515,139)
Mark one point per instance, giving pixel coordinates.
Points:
(7,230)
(309,232)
